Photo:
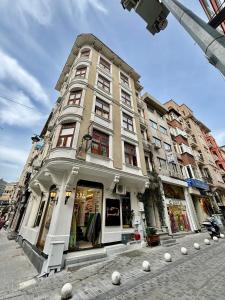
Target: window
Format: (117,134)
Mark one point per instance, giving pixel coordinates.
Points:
(162,163)
(167,147)
(128,122)
(126,211)
(125,98)
(75,97)
(81,72)
(104,64)
(151,109)
(130,154)
(173,167)
(102,108)
(156,141)
(103,83)
(124,79)
(148,164)
(143,133)
(66,135)
(153,124)
(85,53)
(163,129)
(100,143)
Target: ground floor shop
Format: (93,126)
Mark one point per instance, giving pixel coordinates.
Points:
(83,210)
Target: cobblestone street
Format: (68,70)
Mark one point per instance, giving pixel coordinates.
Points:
(199,275)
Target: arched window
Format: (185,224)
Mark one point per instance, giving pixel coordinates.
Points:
(85,53)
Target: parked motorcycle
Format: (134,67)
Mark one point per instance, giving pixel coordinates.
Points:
(212,227)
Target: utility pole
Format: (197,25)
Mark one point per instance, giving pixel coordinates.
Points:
(154,12)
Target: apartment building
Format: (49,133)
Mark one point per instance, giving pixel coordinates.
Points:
(7,197)
(2,185)
(199,168)
(91,166)
(165,162)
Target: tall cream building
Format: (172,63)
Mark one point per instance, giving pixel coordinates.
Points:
(91,166)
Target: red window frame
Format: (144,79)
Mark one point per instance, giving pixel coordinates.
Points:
(103,83)
(75,97)
(81,72)
(102,108)
(124,79)
(63,138)
(125,98)
(104,64)
(100,143)
(130,154)
(128,122)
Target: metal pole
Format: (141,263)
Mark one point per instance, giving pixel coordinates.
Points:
(208,38)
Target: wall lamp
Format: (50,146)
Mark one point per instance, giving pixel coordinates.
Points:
(68,194)
(35,138)
(53,198)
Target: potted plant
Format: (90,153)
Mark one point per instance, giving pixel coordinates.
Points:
(152,237)
(128,218)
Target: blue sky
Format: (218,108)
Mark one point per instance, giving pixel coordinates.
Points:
(36,37)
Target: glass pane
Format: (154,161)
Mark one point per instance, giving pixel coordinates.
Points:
(68,141)
(67,131)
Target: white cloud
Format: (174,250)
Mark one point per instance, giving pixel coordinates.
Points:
(12,71)
(12,156)
(14,114)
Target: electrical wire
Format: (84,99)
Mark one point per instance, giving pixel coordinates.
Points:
(5,98)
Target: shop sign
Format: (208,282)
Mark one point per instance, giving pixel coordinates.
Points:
(112,214)
(175,202)
(197,183)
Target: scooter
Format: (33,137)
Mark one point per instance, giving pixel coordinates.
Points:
(212,228)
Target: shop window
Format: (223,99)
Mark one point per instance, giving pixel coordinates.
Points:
(100,143)
(128,122)
(163,129)
(85,53)
(81,72)
(124,79)
(127,212)
(130,154)
(125,98)
(153,124)
(86,222)
(104,64)
(66,135)
(103,83)
(75,97)
(102,108)
(162,163)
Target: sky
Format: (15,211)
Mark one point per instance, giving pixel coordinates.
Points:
(36,37)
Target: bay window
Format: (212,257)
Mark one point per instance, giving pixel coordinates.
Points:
(81,72)
(75,97)
(66,135)
(85,53)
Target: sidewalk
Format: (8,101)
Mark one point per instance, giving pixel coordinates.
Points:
(90,282)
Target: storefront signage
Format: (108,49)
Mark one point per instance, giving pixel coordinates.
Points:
(197,183)
(175,202)
(112,214)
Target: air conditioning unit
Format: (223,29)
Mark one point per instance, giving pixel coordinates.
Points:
(121,189)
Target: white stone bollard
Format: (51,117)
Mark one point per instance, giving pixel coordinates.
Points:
(215,238)
(207,242)
(183,250)
(222,236)
(146,266)
(116,278)
(67,291)
(167,257)
(196,246)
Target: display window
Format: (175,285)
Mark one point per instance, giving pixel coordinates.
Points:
(178,217)
(86,223)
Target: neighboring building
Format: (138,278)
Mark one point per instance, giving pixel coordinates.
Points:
(199,168)
(174,188)
(91,166)
(215,11)
(2,186)
(7,196)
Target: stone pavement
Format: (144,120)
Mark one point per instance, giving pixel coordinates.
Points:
(199,275)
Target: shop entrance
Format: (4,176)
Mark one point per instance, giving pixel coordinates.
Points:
(85,232)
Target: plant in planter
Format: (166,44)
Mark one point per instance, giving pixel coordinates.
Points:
(152,237)
(128,218)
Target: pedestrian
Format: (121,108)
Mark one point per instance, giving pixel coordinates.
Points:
(2,222)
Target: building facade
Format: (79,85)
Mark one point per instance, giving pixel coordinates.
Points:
(91,166)
(7,197)
(2,186)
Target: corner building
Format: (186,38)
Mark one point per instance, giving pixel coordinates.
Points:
(91,165)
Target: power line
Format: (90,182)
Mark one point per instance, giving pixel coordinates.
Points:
(5,98)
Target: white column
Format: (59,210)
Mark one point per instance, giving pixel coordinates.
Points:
(167,218)
(191,211)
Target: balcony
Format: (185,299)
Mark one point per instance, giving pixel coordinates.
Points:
(176,175)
